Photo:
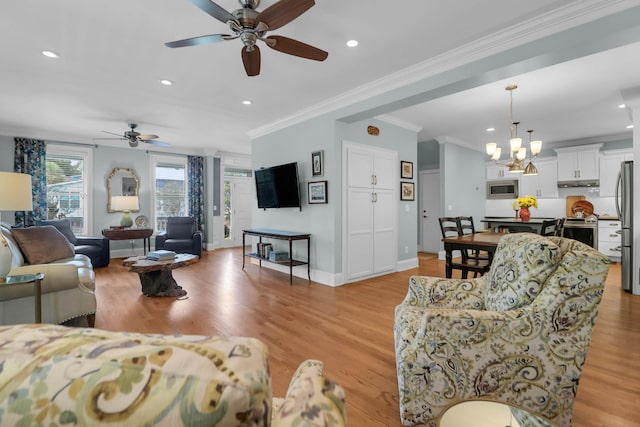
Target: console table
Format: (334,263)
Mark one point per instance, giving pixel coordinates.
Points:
(130,234)
(279,235)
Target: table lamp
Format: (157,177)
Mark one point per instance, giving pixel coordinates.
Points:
(125,204)
(16,194)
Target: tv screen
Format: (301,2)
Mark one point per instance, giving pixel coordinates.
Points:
(277,186)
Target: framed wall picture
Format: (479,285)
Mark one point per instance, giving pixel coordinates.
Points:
(316,162)
(406,170)
(317,192)
(407,191)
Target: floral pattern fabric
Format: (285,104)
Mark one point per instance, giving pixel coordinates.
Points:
(520,267)
(450,348)
(55,375)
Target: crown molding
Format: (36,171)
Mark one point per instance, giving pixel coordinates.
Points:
(563,18)
(400,123)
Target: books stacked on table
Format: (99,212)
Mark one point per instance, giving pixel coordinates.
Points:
(264,249)
(161,255)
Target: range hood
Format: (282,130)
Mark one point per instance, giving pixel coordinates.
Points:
(579,183)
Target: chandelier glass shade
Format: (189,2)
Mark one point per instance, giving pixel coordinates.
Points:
(517,153)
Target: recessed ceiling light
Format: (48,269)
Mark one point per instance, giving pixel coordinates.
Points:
(630,127)
(622,105)
(247,102)
(491,129)
(50,54)
(352,43)
(166,82)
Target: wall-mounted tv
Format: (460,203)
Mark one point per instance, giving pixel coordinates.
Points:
(277,186)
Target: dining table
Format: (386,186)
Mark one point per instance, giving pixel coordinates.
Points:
(484,241)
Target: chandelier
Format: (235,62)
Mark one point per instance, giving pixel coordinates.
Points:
(518,153)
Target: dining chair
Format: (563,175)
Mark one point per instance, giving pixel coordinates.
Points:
(466,226)
(549,227)
(560,227)
(449,228)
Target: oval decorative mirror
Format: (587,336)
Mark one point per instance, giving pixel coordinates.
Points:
(121,182)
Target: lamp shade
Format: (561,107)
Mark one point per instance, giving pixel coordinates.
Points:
(124,203)
(16,193)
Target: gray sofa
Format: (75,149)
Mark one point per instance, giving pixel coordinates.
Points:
(67,288)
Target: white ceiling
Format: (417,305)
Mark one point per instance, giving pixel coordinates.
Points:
(113,56)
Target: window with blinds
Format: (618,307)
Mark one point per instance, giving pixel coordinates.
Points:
(170,191)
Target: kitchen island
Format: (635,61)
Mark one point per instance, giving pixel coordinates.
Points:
(514,225)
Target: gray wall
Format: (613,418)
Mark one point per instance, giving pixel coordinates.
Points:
(324,222)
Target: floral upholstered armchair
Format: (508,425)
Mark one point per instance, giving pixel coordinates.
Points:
(518,335)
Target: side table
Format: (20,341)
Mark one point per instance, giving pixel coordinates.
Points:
(36,280)
(130,234)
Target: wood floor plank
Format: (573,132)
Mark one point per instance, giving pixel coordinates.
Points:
(350,328)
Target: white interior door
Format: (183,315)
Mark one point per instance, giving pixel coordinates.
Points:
(430,211)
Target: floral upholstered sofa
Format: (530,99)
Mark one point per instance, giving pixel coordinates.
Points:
(518,335)
(56,375)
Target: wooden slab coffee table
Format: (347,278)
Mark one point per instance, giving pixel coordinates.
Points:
(156,277)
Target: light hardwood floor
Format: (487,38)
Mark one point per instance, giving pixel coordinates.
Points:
(350,328)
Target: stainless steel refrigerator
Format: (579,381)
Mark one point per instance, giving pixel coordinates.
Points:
(624,206)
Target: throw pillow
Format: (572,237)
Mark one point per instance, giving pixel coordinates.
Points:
(41,245)
(519,270)
(63,226)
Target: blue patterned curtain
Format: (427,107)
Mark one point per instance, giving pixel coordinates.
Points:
(195,177)
(30,156)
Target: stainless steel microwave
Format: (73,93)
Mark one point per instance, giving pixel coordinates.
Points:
(506,189)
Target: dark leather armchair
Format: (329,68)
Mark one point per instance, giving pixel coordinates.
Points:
(181,236)
(96,248)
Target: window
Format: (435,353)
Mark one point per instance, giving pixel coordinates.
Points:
(170,189)
(68,175)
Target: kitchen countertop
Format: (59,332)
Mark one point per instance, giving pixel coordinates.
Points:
(608,218)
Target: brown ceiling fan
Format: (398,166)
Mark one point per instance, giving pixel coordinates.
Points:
(249,25)
(135,137)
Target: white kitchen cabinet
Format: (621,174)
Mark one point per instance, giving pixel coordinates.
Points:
(371,211)
(610,238)
(545,184)
(609,167)
(578,163)
(497,173)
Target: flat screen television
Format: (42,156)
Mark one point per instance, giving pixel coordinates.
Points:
(277,186)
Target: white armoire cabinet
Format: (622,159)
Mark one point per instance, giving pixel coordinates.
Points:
(371,206)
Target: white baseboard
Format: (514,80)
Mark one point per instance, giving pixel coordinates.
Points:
(407,264)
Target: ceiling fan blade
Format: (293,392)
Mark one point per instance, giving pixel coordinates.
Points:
(218,12)
(283,12)
(158,143)
(112,133)
(294,47)
(147,137)
(251,61)
(195,41)
(96,139)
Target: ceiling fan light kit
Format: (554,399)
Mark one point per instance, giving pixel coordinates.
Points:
(249,26)
(517,153)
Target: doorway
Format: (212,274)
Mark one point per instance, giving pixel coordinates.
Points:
(430,211)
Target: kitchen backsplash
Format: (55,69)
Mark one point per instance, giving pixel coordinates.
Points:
(555,207)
